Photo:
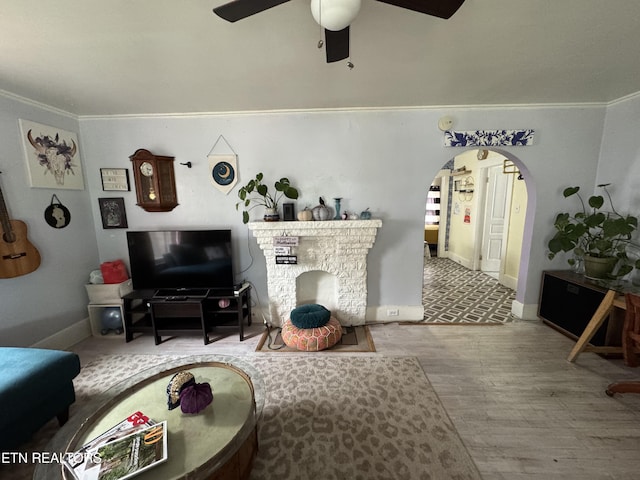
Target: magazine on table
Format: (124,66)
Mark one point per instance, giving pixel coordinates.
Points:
(128,456)
(75,462)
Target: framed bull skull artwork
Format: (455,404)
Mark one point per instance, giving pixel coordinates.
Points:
(52,156)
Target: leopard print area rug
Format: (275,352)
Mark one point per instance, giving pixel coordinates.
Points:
(323,417)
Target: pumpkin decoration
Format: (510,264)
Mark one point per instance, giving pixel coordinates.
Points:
(305,215)
(321,212)
(365,215)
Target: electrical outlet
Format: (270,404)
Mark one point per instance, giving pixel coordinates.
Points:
(393,312)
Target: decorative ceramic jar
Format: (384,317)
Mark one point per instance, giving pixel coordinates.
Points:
(271,215)
(337,203)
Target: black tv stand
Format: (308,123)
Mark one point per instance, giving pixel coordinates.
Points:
(181,311)
(182,292)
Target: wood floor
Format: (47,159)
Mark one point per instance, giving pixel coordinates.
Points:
(522,410)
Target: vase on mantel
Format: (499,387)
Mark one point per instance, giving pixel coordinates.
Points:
(337,203)
(271,215)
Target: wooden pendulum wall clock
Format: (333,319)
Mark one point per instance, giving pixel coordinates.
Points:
(155,181)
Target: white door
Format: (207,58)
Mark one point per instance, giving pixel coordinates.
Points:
(496,208)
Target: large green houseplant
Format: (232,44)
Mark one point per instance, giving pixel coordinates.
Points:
(596,236)
(262,196)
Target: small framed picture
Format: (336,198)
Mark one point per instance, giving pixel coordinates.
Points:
(113,213)
(115,179)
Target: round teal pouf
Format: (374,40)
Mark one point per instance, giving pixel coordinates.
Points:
(310,316)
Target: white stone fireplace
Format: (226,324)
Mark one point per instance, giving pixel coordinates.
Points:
(337,247)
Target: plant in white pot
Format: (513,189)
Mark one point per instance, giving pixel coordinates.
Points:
(597,237)
(263,197)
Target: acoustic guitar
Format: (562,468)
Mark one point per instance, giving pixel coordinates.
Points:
(17,255)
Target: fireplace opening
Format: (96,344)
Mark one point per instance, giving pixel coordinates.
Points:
(317,287)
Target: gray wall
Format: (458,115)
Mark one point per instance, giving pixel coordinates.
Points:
(620,155)
(42,303)
(620,160)
(381,159)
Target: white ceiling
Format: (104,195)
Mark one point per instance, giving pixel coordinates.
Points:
(91,57)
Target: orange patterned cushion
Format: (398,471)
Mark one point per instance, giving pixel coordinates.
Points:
(312,339)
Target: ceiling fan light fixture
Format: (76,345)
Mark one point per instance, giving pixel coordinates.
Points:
(335,15)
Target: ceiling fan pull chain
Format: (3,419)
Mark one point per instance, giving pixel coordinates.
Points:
(321,41)
(349,62)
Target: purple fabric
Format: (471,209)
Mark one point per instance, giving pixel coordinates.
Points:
(195,398)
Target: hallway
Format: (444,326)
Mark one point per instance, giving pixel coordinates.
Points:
(453,294)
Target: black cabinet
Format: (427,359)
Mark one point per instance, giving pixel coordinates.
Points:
(568,301)
(207,312)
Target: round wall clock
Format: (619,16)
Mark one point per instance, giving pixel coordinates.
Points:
(146,169)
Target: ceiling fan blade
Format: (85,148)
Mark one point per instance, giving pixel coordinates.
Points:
(436,8)
(336,44)
(239,9)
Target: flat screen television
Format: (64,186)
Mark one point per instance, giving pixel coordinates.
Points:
(177,261)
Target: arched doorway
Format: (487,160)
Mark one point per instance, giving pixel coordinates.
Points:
(484,215)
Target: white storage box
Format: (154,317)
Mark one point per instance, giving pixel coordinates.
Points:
(108,292)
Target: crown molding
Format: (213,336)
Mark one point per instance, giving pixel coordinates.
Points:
(514,106)
(626,98)
(33,103)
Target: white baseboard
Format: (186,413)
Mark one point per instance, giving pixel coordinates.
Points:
(406,313)
(385,313)
(260,315)
(524,311)
(465,262)
(66,338)
(509,282)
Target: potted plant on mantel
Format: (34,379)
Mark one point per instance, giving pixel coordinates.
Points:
(598,237)
(270,203)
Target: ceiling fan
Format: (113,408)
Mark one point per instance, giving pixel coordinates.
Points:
(335,16)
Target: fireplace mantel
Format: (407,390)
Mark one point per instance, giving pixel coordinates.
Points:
(338,247)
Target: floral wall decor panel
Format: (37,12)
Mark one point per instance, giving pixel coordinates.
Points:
(52,156)
(488,138)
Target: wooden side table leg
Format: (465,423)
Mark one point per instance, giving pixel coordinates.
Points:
(596,321)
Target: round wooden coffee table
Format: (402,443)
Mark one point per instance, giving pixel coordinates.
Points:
(218,443)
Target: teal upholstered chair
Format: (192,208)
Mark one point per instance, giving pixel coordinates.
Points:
(36,385)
